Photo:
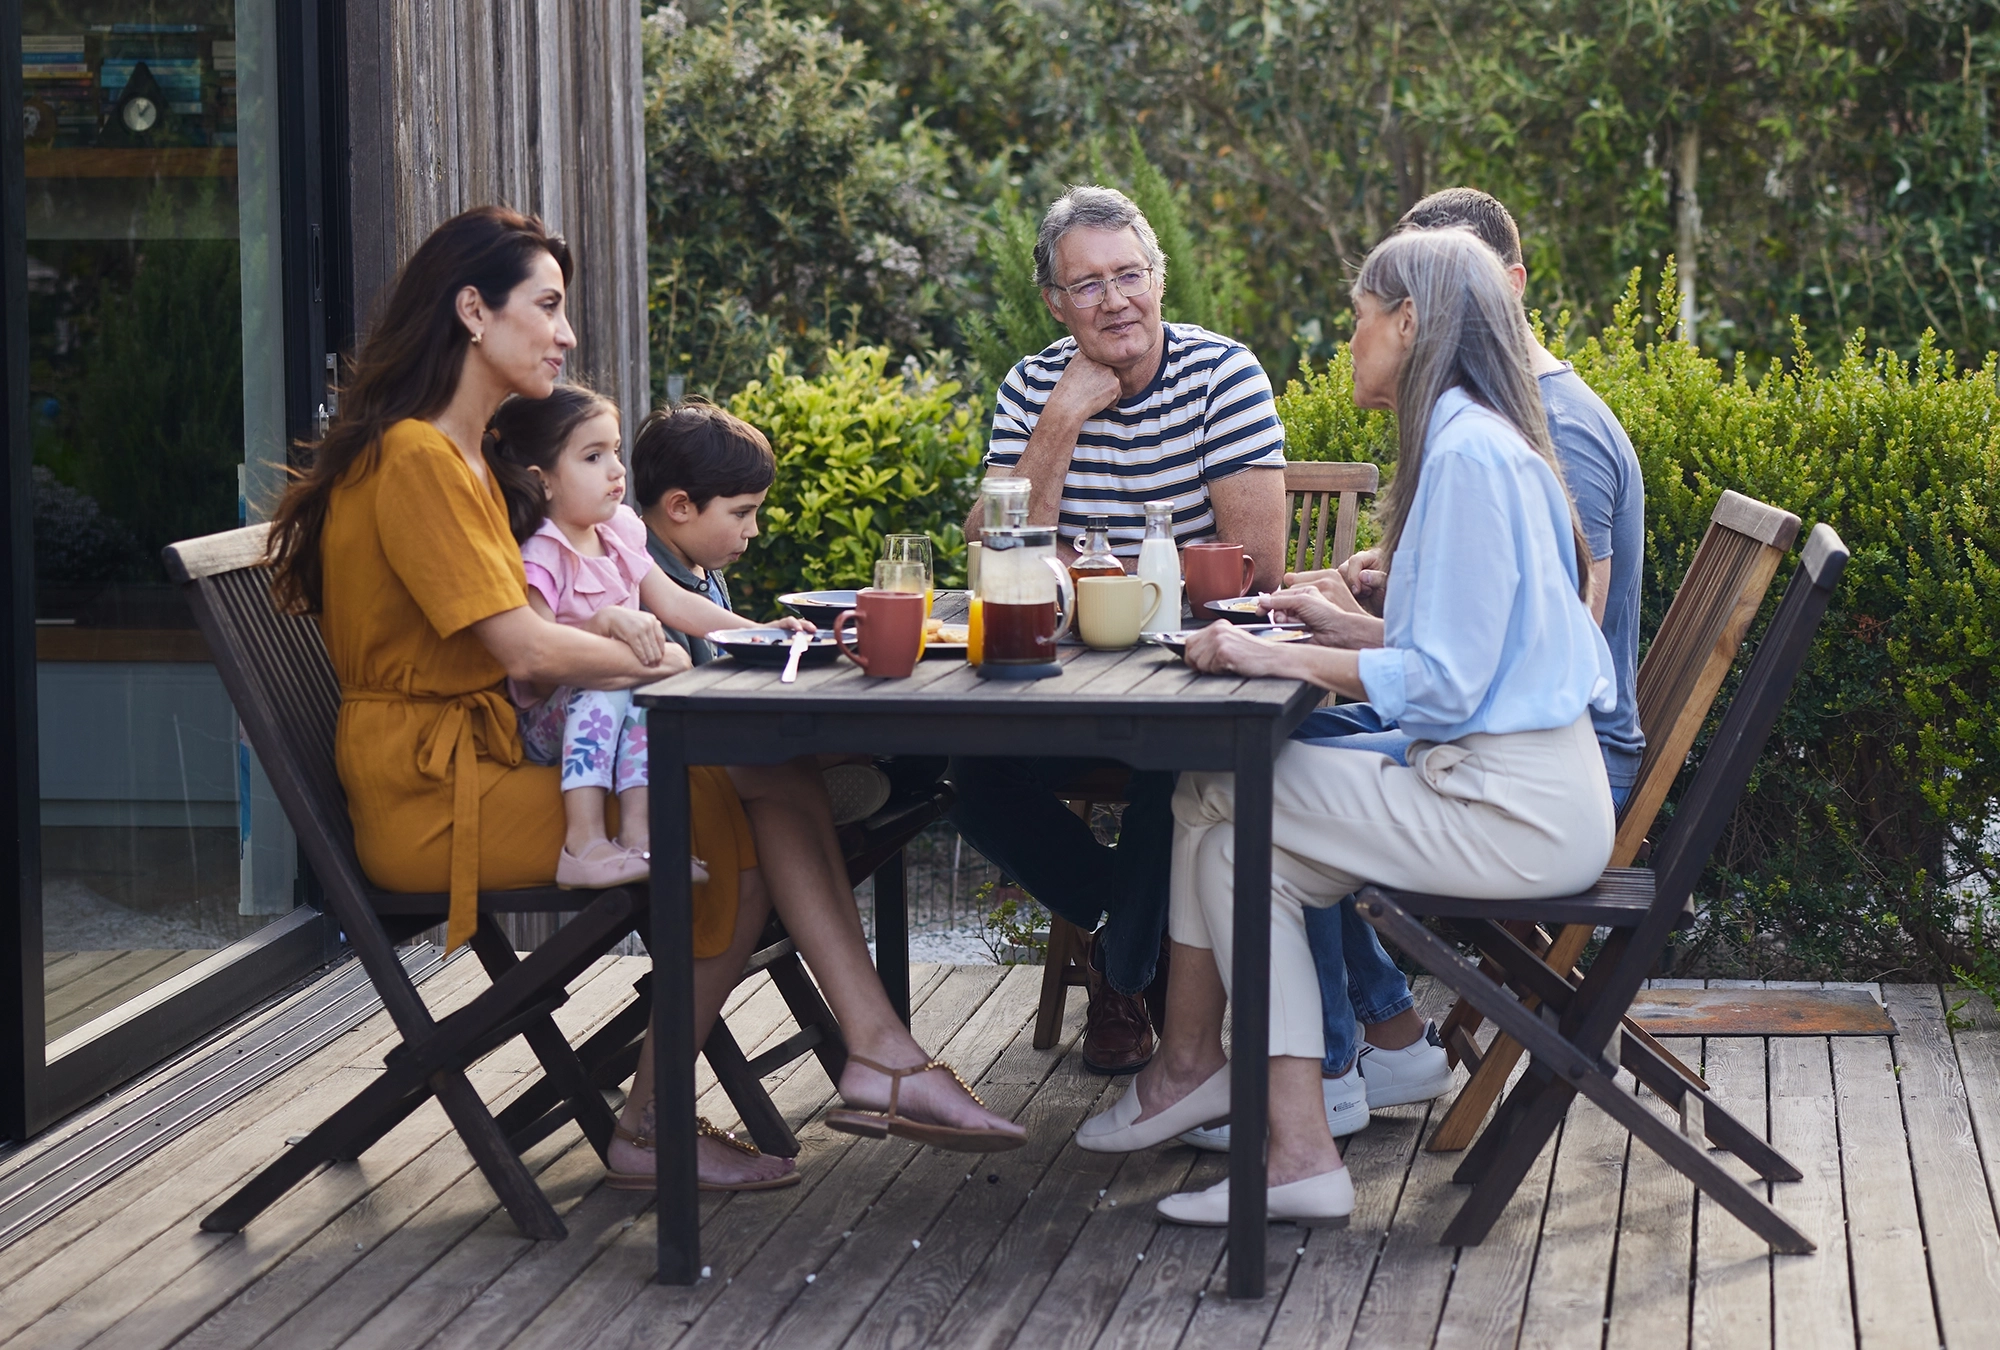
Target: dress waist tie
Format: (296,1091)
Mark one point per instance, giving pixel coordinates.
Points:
(466,726)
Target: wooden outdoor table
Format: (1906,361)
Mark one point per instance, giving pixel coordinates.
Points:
(1141,707)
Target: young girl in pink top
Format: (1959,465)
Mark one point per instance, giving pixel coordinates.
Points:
(585,555)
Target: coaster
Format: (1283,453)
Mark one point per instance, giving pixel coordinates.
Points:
(989,671)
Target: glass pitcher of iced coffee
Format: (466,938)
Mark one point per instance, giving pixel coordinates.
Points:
(1026,602)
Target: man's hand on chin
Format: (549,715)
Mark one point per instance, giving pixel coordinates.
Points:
(1085,390)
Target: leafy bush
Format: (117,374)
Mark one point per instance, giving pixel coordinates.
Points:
(783,208)
(1862,845)
(863,452)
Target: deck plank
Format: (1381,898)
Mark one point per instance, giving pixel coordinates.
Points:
(89,1237)
(613,1301)
(1978,1045)
(1732,1276)
(1319,1306)
(1898,1191)
(1884,1234)
(1572,1280)
(1074,1306)
(1649,1295)
(842,1205)
(162,1289)
(1811,1304)
(1059,1095)
(1489,1290)
(901,1223)
(294,1282)
(1960,1228)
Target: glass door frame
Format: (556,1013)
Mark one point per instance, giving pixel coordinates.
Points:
(40,1083)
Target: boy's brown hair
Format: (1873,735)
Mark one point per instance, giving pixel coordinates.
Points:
(701,450)
(1480,212)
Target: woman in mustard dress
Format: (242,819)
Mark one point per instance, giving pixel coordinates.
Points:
(396,536)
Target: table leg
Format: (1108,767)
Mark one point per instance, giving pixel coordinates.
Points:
(679,1197)
(892,934)
(1250,1011)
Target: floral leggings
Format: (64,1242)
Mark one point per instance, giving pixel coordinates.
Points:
(598,736)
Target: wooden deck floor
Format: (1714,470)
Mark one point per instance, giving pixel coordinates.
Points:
(887,1245)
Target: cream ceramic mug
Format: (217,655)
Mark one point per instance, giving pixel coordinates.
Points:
(1110,611)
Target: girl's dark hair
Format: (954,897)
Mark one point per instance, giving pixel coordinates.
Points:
(701,450)
(409,366)
(530,433)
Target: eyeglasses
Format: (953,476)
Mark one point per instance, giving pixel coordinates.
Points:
(1091,294)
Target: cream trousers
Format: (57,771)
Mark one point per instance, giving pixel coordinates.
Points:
(1490,817)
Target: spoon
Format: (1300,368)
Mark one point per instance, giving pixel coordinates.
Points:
(800,641)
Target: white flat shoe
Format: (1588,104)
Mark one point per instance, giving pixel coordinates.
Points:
(1324,1201)
(1120,1130)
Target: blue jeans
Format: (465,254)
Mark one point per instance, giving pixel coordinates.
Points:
(1008,810)
(1357,980)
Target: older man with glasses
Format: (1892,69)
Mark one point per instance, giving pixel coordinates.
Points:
(1127,409)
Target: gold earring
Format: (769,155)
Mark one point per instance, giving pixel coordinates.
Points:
(478,338)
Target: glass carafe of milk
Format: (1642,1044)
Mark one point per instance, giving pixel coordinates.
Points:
(1160,561)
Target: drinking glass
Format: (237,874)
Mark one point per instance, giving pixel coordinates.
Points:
(909,551)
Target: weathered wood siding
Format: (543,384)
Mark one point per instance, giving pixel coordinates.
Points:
(534,104)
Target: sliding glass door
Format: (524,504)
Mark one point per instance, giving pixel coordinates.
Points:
(171,306)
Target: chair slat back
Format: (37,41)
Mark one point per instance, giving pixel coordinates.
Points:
(1698,640)
(1727,763)
(278,674)
(1712,797)
(1323,499)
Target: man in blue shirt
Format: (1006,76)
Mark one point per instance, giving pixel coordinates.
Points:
(1401,1059)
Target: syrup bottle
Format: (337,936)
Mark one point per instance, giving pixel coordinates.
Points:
(1094,557)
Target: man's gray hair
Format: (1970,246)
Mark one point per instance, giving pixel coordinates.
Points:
(1089,207)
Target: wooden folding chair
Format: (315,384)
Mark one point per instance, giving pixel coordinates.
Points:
(1323,512)
(1676,686)
(1574,1036)
(281,681)
(1323,497)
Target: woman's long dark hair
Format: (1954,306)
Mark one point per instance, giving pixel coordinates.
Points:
(530,433)
(408,367)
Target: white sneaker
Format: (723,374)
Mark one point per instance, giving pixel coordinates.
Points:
(1346,1113)
(1416,1073)
(855,791)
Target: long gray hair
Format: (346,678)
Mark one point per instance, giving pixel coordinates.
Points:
(1472,335)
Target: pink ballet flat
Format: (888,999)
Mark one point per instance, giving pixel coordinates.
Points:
(607,866)
(697,869)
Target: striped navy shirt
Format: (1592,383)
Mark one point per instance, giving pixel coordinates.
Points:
(1207,414)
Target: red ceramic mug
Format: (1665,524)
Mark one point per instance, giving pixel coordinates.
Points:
(1215,571)
(887,625)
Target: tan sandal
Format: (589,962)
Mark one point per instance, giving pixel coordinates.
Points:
(873,1125)
(646,1181)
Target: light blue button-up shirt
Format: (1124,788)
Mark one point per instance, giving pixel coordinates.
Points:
(1482,627)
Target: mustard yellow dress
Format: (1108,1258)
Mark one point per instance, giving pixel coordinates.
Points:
(416,549)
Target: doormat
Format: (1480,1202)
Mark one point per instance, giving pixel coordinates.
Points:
(1761,1012)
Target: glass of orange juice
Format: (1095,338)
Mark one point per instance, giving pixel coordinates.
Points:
(906,556)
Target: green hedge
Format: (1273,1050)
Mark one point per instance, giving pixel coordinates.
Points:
(863,451)
(1863,845)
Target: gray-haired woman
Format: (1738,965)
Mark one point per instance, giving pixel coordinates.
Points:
(1491,661)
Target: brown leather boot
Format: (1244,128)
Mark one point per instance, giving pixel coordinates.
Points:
(1117,1032)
